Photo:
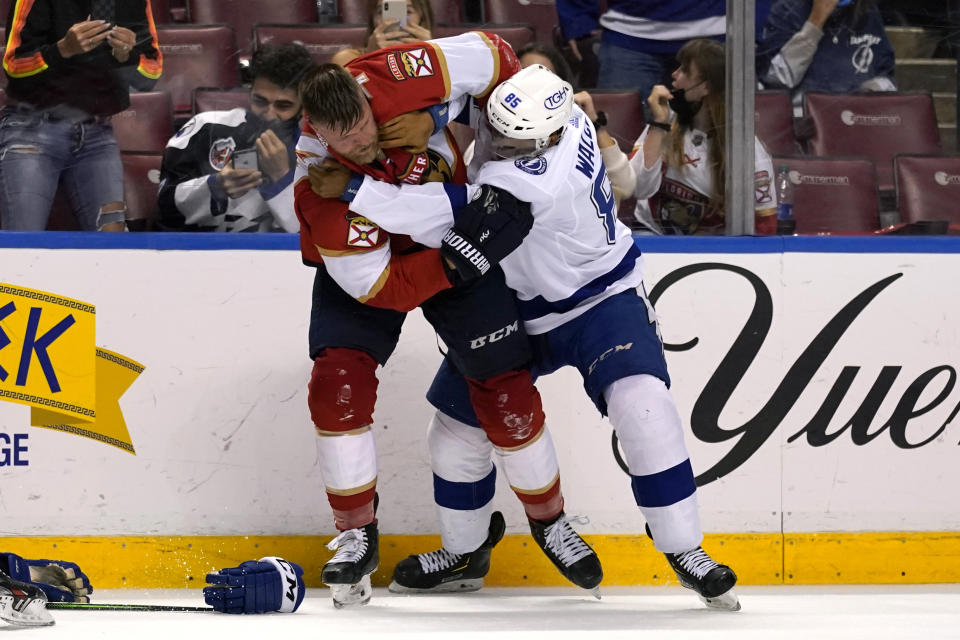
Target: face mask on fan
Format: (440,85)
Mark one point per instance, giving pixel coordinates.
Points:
(684,109)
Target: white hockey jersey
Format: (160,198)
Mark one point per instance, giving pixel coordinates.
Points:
(577,253)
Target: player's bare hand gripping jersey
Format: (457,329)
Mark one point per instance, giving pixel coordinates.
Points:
(362,257)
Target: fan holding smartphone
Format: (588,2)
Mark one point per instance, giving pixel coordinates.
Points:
(392,22)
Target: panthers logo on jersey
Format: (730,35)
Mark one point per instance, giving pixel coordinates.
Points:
(440,170)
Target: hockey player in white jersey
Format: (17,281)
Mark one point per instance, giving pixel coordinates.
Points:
(578,277)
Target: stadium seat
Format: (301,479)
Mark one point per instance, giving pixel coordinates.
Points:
(244,14)
(928,187)
(322,41)
(206,99)
(161,11)
(141,180)
(832,195)
(517,35)
(542,14)
(774,122)
(146,124)
(875,125)
(196,56)
(624,111)
(444,11)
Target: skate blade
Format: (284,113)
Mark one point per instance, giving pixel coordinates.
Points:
(454,586)
(351,595)
(595,592)
(726,601)
(34,614)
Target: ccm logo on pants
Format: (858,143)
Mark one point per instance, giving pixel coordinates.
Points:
(496,336)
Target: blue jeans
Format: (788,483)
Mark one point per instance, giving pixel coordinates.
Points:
(627,69)
(36,152)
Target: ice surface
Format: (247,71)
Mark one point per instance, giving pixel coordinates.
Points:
(639,613)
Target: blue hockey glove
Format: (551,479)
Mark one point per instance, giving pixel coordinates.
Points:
(256,586)
(60,581)
(485,231)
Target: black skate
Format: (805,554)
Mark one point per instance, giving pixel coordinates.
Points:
(348,571)
(442,571)
(712,581)
(22,604)
(575,559)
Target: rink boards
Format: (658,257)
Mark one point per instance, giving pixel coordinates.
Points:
(816,376)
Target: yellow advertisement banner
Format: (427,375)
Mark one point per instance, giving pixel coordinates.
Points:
(49,361)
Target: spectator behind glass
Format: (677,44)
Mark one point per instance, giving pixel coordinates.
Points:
(382,34)
(825,45)
(680,158)
(621,174)
(639,39)
(66,78)
(233,170)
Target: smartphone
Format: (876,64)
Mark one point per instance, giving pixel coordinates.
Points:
(245,159)
(105,10)
(394,10)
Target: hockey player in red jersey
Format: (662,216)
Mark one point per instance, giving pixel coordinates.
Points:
(367,279)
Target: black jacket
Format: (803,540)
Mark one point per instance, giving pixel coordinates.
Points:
(93,82)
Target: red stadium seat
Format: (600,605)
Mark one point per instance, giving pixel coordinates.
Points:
(517,35)
(244,14)
(928,187)
(196,56)
(141,180)
(542,14)
(205,99)
(444,11)
(624,111)
(322,41)
(161,11)
(774,122)
(146,124)
(832,195)
(875,125)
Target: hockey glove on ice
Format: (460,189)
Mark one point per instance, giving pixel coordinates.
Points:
(270,584)
(485,231)
(60,580)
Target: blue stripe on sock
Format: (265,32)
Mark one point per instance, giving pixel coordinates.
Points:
(464,496)
(665,488)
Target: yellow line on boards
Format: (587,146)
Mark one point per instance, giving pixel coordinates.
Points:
(763,558)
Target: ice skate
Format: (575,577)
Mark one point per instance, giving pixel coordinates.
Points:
(442,571)
(575,559)
(348,571)
(22,604)
(712,581)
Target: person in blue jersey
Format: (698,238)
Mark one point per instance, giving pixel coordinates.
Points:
(639,39)
(838,46)
(578,277)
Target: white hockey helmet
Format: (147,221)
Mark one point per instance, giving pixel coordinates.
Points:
(529,106)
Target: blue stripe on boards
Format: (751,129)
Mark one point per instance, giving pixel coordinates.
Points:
(464,496)
(183,241)
(665,488)
(539,306)
(213,241)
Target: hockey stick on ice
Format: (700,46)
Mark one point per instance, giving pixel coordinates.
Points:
(96,606)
